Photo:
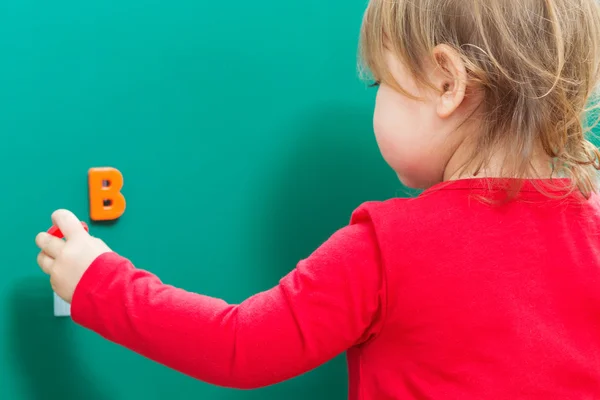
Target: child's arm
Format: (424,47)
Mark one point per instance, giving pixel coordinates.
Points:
(332,301)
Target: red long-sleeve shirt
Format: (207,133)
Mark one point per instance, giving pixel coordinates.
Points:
(439,297)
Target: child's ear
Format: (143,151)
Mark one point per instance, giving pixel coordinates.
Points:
(450,78)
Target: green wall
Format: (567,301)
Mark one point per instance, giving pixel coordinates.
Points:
(245,139)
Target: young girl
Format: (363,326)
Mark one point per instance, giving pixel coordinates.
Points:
(487,286)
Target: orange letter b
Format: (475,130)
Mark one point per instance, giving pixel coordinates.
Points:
(106,201)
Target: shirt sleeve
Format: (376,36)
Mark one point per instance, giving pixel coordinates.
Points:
(332,301)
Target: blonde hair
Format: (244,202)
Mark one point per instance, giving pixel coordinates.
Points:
(537,63)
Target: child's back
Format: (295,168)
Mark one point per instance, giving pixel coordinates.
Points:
(484,302)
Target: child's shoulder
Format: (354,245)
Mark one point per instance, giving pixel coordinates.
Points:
(409,210)
(409,226)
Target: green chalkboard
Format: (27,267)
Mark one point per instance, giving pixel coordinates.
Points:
(244,136)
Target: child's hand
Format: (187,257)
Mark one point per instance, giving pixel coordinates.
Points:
(67,260)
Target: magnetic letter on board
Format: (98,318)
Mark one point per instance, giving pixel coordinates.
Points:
(106,200)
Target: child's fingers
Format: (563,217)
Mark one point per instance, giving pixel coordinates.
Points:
(68,223)
(45,262)
(49,244)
